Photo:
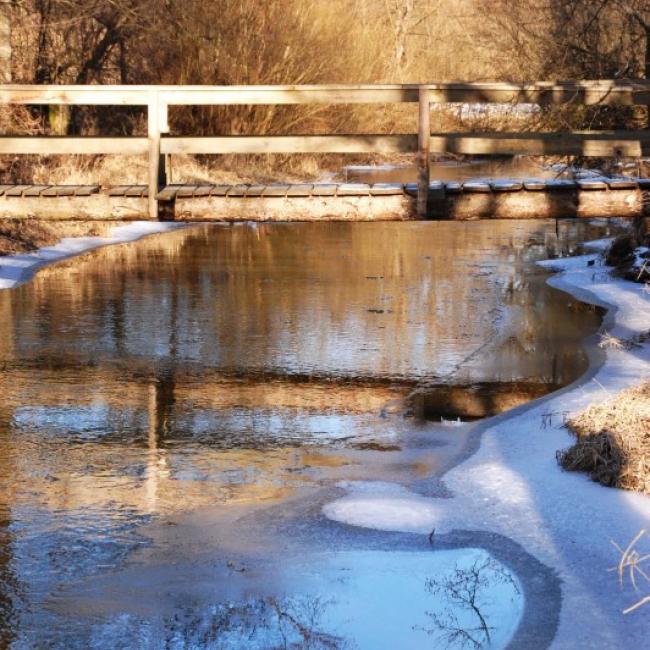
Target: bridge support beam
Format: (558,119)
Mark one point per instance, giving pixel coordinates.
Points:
(156,125)
(423,158)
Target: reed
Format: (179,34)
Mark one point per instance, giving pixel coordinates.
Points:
(613,441)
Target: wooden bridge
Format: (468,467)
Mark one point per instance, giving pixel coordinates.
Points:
(159,143)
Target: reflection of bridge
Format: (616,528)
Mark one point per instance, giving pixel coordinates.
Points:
(443,200)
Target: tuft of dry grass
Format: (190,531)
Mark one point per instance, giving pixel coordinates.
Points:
(632,566)
(25,235)
(621,250)
(613,441)
(610,342)
(629,260)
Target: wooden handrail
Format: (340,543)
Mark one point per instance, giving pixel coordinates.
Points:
(585,92)
(57,145)
(157,99)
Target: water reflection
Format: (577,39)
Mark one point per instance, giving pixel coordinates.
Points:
(238,366)
(364,600)
(451,170)
(258,623)
(469,590)
(380,300)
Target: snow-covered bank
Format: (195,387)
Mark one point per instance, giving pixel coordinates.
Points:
(16,269)
(513,486)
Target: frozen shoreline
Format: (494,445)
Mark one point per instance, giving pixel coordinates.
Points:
(513,485)
(18,269)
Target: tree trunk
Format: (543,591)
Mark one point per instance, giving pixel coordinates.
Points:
(5,42)
(403,12)
(647,67)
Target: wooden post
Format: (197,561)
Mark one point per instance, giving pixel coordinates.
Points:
(156,169)
(424,138)
(164,176)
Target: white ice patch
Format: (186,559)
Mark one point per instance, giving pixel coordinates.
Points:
(385,506)
(599,244)
(570,263)
(17,269)
(451,423)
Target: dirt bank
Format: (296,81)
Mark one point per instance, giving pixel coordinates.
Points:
(30,234)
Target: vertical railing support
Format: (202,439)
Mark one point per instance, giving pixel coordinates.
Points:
(424,141)
(164,175)
(156,169)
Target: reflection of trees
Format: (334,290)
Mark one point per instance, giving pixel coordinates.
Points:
(272,623)
(297,298)
(160,406)
(9,586)
(539,331)
(467,590)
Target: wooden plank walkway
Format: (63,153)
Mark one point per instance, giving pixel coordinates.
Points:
(174,192)
(584,197)
(47,191)
(306,190)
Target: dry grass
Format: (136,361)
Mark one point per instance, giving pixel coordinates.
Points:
(610,342)
(124,170)
(632,566)
(613,441)
(22,235)
(625,254)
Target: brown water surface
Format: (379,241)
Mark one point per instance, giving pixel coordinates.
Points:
(452,170)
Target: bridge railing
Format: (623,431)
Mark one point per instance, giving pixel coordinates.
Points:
(159,143)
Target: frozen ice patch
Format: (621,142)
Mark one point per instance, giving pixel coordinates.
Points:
(599,244)
(362,600)
(385,506)
(570,263)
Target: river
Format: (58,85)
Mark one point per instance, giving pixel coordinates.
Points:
(175,412)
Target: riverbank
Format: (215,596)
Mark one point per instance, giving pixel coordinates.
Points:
(68,242)
(513,487)
(26,235)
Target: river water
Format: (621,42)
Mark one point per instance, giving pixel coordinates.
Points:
(172,412)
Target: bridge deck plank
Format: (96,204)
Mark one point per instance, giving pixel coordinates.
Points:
(186,191)
(136,191)
(324,189)
(36,190)
(17,190)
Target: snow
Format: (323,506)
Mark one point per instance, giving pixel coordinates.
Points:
(513,486)
(384,506)
(17,269)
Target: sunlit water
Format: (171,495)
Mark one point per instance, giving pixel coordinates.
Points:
(155,395)
(450,170)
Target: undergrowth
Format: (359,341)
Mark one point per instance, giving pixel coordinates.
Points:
(25,235)
(613,441)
